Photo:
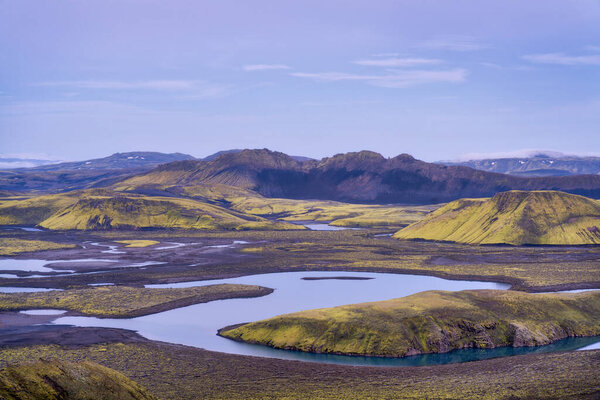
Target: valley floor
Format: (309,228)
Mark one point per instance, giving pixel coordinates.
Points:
(179,372)
(187,256)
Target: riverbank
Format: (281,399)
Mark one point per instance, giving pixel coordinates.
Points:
(181,372)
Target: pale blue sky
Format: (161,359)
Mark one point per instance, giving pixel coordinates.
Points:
(436,79)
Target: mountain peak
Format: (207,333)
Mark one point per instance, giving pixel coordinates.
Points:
(361,160)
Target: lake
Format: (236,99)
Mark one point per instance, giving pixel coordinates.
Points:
(197,325)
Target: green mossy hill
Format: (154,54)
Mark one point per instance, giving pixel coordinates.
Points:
(104,209)
(126,302)
(60,380)
(515,217)
(250,202)
(32,211)
(431,322)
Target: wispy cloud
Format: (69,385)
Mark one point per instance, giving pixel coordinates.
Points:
(397,62)
(195,88)
(152,84)
(562,59)
(265,67)
(452,43)
(386,55)
(394,79)
(25,160)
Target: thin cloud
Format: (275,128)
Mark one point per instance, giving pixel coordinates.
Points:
(195,88)
(452,43)
(152,84)
(562,59)
(265,67)
(395,79)
(386,55)
(398,62)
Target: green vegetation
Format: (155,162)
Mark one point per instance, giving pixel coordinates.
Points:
(32,211)
(138,243)
(186,373)
(104,209)
(125,302)
(250,202)
(340,214)
(12,246)
(431,322)
(517,217)
(212,207)
(60,380)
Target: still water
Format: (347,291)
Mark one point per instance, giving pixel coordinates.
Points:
(197,325)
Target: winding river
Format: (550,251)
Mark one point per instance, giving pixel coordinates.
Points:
(197,325)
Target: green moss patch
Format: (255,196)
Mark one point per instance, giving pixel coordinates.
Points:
(431,322)
(122,301)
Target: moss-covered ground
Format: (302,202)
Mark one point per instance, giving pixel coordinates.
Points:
(515,217)
(431,322)
(138,243)
(12,246)
(123,301)
(179,373)
(101,209)
(193,207)
(60,380)
(528,268)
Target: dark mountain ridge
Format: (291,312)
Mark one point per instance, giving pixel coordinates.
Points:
(361,177)
(135,159)
(100,172)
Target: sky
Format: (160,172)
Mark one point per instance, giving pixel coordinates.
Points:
(81,79)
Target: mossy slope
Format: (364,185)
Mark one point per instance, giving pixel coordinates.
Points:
(104,209)
(60,380)
(250,202)
(431,322)
(515,217)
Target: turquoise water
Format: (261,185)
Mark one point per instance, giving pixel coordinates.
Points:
(197,325)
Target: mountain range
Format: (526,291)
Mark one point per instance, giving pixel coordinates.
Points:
(536,164)
(358,177)
(361,177)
